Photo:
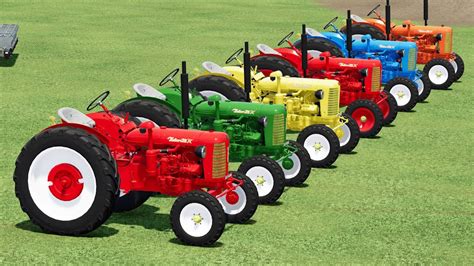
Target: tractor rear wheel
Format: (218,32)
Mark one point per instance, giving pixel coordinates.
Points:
(363,29)
(388,106)
(66,181)
(351,136)
(321,143)
(216,85)
(298,170)
(267,64)
(131,200)
(151,110)
(322,45)
(440,72)
(241,204)
(267,176)
(197,218)
(368,117)
(424,88)
(458,65)
(404,91)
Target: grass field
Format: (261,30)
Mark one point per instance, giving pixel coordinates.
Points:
(405,197)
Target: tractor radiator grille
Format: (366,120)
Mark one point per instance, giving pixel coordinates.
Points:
(448,43)
(219,161)
(376,79)
(278,129)
(412,59)
(333,101)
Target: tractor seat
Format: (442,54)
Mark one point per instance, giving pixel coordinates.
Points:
(314,33)
(212,67)
(146,90)
(358,19)
(265,49)
(73,116)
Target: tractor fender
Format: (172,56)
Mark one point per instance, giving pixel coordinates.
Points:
(172,107)
(102,138)
(234,77)
(292,59)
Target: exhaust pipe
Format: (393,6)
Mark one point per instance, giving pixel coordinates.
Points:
(349,34)
(304,51)
(247,74)
(425,12)
(184,95)
(388,20)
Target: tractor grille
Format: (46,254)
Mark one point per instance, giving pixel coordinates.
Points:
(333,101)
(412,59)
(376,79)
(447,43)
(219,161)
(278,129)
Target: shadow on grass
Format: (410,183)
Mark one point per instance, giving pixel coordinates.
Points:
(102,231)
(276,203)
(9,62)
(390,125)
(177,242)
(350,153)
(145,216)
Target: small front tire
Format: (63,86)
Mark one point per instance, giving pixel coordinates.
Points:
(368,117)
(321,143)
(351,136)
(301,165)
(440,72)
(404,91)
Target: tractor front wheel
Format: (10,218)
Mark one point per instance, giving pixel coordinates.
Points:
(424,88)
(215,85)
(440,72)
(321,143)
(197,218)
(404,91)
(388,106)
(351,137)
(297,166)
(458,65)
(368,117)
(267,176)
(240,205)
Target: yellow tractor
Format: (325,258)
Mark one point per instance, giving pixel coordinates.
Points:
(312,104)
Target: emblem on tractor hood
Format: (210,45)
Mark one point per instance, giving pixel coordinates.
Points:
(386,46)
(245,112)
(182,140)
(425,31)
(347,65)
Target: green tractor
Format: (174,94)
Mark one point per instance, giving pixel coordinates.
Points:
(257,132)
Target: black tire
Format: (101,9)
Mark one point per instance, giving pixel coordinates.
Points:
(251,201)
(292,179)
(442,63)
(410,87)
(354,135)
(222,85)
(392,114)
(160,114)
(322,45)
(275,64)
(327,134)
(460,71)
(364,29)
(371,111)
(131,201)
(211,204)
(97,156)
(426,88)
(247,167)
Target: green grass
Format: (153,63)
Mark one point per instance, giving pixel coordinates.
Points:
(406,197)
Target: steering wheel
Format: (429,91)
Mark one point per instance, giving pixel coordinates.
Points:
(98,100)
(286,38)
(330,22)
(373,10)
(234,56)
(169,77)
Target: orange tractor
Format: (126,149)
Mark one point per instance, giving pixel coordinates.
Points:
(442,65)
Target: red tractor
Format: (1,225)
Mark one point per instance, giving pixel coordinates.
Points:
(369,105)
(70,177)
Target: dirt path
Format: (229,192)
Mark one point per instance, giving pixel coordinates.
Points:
(447,12)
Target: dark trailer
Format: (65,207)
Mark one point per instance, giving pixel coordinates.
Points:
(8,39)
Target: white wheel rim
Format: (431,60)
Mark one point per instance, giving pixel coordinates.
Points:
(38,184)
(420,85)
(346,137)
(236,208)
(293,171)
(317,146)
(212,93)
(262,178)
(438,74)
(455,65)
(401,93)
(195,219)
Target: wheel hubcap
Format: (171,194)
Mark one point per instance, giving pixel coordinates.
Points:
(317,146)
(65,182)
(195,219)
(401,93)
(364,118)
(262,178)
(438,74)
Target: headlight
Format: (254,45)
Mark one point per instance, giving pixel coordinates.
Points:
(263,120)
(200,152)
(439,37)
(319,94)
(364,72)
(401,53)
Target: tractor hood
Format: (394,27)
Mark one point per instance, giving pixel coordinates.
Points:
(367,44)
(340,63)
(417,30)
(228,109)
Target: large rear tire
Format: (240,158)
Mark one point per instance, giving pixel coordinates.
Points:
(322,45)
(404,91)
(66,181)
(151,110)
(131,201)
(216,85)
(440,72)
(267,64)
(363,29)
(321,143)
(367,115)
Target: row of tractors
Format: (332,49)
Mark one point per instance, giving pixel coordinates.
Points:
(179,139)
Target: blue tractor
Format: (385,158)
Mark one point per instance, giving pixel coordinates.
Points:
(400,75)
